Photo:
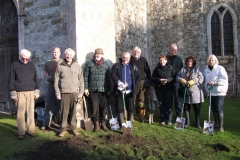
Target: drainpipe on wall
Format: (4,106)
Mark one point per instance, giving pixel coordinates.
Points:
(235,76)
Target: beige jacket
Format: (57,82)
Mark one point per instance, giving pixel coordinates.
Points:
(68,79)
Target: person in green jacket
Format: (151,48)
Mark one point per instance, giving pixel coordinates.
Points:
(97,87)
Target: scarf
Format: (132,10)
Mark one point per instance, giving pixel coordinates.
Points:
(98,62)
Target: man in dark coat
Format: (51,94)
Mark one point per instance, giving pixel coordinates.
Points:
(176,62)
(126,77)
(145,75)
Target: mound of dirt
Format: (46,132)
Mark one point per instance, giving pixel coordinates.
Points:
(78,148)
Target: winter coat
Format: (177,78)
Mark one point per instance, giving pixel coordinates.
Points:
(143,67)
(96,78)
(219,75)
(175,62)
(68,78)
(163,72)
(194,93)
(116,75)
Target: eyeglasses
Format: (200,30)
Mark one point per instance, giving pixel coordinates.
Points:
(24,59)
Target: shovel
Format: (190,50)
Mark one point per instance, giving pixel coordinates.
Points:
(208,124)
(180,121)
(114,125)
(88,125)
(127,127)
(150,120)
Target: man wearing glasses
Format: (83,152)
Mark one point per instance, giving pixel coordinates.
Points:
(24,90)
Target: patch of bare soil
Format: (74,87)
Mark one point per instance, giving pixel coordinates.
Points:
(80,148)
(220,147)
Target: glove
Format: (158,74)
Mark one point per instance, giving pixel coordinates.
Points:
(86,92)
(121,85)
(13,95)
(182,81)
(190,83)
(140,104)
(36,94)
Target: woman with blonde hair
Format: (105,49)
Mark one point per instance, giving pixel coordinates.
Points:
(216,78)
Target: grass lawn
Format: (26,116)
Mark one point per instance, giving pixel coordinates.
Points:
(147,141)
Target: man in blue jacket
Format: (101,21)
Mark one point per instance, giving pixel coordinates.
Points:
(125,73)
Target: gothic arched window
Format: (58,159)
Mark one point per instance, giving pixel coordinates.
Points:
(222,31)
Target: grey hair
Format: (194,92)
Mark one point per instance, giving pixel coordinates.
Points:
(137,49)
(70,51)
(212,56)
(25,52)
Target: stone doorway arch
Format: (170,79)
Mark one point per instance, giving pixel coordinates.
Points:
(8,49)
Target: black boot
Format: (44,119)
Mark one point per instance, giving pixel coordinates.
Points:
(187,115)
(196,108)
(216,120)
(220,119)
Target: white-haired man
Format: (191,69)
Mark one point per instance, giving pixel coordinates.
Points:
(145,76)
(69,85)
(24,90)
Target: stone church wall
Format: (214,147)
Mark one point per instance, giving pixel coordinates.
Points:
(130,26)
(119,25)
(184,22)
(45,28)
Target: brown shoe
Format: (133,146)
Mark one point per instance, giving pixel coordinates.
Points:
(32,134)
(62,133)
(96,126)
(104,127)
(74,132)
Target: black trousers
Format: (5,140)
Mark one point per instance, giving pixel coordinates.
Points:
(99,105)
(129,103)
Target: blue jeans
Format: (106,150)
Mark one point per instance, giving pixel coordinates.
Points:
(217,103)
(165,99)
(52,106)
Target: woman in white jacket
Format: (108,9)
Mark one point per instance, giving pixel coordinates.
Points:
(216,77)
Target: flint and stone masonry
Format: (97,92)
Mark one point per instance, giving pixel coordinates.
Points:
(117,26)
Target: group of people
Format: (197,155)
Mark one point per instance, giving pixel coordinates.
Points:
(188,84)
(127,80)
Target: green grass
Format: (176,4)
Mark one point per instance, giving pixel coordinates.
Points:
(158,142)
